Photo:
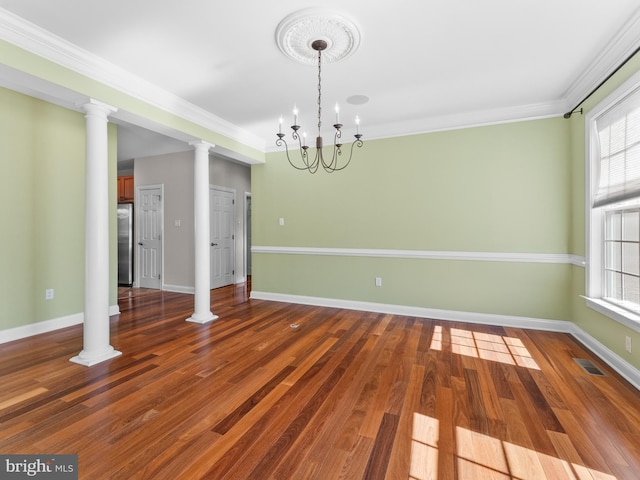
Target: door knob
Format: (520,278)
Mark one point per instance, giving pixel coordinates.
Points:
(140,243)
(214,244)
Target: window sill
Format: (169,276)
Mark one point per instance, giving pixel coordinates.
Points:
(625,317)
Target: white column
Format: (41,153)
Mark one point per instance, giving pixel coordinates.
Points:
(202,300)
(96,347)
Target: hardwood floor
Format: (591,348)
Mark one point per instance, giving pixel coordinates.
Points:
(343,395)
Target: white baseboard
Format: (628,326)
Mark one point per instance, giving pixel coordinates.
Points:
(190,290)
(45,326)
(625,369)
(179,289)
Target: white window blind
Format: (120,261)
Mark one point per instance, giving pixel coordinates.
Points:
(619,152)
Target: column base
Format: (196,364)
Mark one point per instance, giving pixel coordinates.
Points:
(202,318)
(88,360)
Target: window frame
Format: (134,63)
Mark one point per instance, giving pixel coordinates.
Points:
(595,217)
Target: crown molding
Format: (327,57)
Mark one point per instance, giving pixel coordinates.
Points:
(478,118)
(34,39)
(623,44)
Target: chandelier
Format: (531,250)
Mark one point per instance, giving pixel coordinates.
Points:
(334,160)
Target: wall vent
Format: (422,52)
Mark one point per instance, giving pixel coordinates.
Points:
(589,367)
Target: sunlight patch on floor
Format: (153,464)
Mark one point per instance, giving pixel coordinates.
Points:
(495,348)
(480,456)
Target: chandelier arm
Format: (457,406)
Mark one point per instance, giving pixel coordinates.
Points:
(304,155)
(281,141)
(359,143)
(313,167)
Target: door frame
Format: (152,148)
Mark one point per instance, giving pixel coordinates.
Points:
(247,235)
(137,203)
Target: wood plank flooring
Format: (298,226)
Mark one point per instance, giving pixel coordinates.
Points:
(345,395)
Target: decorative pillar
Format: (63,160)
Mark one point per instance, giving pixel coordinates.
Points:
(202,299)
(96,347)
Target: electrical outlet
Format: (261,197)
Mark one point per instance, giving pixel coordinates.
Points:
(378,281)
(627,344)
(48,294)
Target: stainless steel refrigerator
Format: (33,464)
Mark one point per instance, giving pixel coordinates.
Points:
(125,244)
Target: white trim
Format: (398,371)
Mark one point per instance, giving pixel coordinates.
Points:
(625,369)
(426,254)
(179,289)
(24,331)
(578,260)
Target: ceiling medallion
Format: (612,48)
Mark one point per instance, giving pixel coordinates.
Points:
(298,31)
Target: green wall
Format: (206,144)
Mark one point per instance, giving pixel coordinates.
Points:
(42,152)
(502,188)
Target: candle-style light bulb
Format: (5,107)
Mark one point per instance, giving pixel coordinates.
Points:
(304,139)
(295,115)
(337,113)
(280,125)
(357,125)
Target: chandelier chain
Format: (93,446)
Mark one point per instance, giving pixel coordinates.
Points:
(319,91)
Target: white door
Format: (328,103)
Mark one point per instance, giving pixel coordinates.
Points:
(150,227)
(222,226)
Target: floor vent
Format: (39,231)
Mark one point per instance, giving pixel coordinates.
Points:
(589,367)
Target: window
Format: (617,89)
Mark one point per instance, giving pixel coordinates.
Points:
(613,205)
(622,258)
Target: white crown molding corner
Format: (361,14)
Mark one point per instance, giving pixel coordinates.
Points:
(38,41)
(610,57)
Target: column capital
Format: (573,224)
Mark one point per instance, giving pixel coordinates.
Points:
(200,144)
(94,106)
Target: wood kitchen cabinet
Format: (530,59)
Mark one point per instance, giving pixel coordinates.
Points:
(125,189)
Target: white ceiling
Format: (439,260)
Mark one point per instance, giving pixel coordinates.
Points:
(425,64)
